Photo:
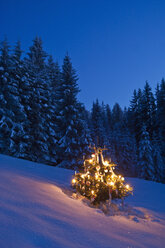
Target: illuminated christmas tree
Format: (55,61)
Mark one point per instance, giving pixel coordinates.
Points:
(99,183)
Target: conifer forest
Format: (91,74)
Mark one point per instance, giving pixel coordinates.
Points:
(42,120)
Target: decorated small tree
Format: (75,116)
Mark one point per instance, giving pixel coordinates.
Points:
(99,183)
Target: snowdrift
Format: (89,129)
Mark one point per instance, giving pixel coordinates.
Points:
(36,211)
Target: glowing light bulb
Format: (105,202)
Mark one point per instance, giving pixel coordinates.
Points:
(111,183)
(105,162)
(119,176)
(122,178)
(92,192)
(82,175)
(93,155)
(96,176)
(127,186)
(73,181)
(106,170)
(90,160)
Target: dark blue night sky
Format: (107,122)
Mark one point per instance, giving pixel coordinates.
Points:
(115,46)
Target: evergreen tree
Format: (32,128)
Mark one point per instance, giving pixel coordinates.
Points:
(146,165)
(104,121)
(109,123)
(38,102)
(123,146)
(6,123)
(19,142)
(54,79)
(117,115)
(69,129)
(85,138)
(161,115)
(139,120)
(98,128)
(159,167)
(108,127)
(148,108)
(135,115)
(126,153)
(99,183)
(117,118)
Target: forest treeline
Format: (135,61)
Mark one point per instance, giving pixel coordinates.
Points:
(42,120)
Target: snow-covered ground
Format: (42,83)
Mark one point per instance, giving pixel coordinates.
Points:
(37,211)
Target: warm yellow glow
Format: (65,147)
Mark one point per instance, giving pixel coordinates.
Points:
(106,170)
(92,192)
(90,160)
(127,186)
(112,176)
(119,176)
(83,176)
(93,155)
(105,162)
(122,178)
(96,176)
(111,183)
(73,180)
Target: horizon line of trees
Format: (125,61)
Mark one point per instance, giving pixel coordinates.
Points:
(42,120)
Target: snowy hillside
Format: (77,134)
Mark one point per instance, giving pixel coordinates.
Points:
(36,211)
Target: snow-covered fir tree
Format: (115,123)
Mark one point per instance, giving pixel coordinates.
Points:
(18,144)
(123,145)
(109,122)
(159,168)
(117,114)
(54,79)
(117,118)
(38,102)
(98,131)
(161,116)
(145,159)
(6,123)
(135,115)
(148,109)
(69,128)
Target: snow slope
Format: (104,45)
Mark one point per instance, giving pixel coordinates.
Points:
(35,211)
